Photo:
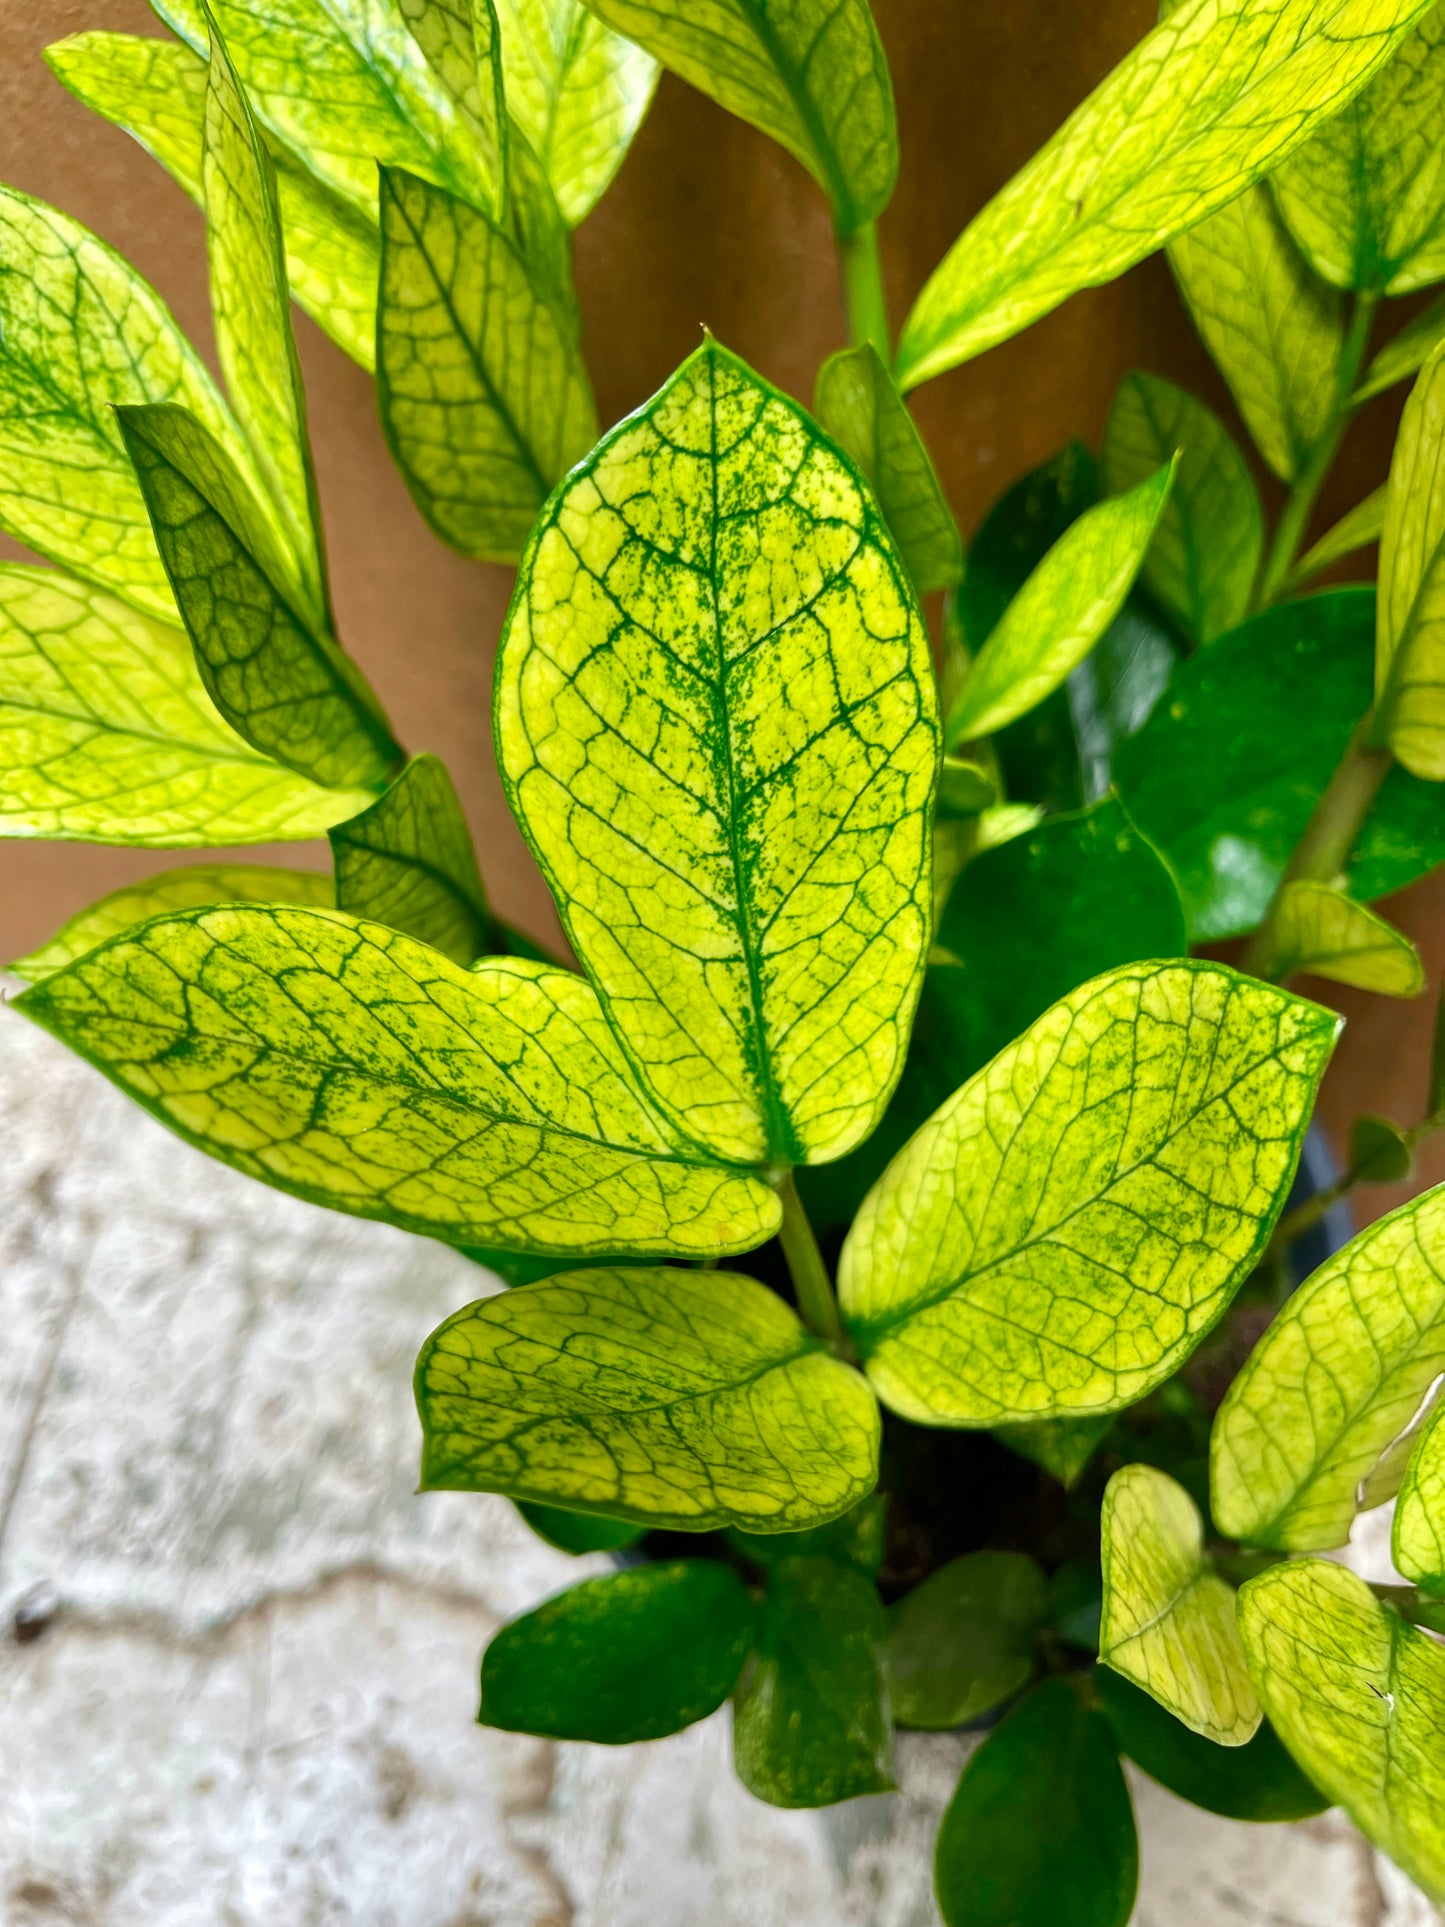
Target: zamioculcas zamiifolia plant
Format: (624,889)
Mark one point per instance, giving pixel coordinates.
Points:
(887,1186)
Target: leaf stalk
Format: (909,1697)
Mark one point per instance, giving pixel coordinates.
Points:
(863,296)
(817,1305)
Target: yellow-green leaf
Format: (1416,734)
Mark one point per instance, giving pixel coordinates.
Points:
(107,734)
(1362,525)
(1062,1446)
(1062,1232)
(689,1399)
(859,406)
(361,1069)
(1314,1423)
(483,393)
(577,90)
(1207,545)
(1410,612)
(1060,612)
(408,862)
(1358,1697)
(1168,1620)
(811,73)
(1417,1539)
(1406,352)
(1212,99)
(277,677)
(462,44)
(1319,929)
(1275,332)
(717,725)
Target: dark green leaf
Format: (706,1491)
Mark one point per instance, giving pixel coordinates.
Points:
(1062,1446)
(1380,1153)
(579,1532)
(962,1642)
(857,1539)
(965,788)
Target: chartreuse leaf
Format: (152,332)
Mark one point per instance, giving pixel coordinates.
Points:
(679,1398)
(1257,1781)
(1168,1617)
(1040,1831)
(1358,1697)
(1316,1417)
(1060,612)
(361,1069)
(811,73)
(80,332)
(1063,1231)
(857,1538)
(1363,524)
(107,734)
(483,394)
(577,90)
(1408,351)
(1365,196)
(1319,929)
(1417,1538)
(717,726)
(1062,1446)
(858,405)
(580,1532)
(810,1720)
(276,675)
(196,886)
(1210,536)
(1212,99)
(1275,332)
(462,44)
(962,1642)
(630,1657)
(408,862)
(1410,625)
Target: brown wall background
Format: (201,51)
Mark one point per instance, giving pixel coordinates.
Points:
(708,223)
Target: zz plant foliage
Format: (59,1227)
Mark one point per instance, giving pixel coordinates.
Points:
(888,1185)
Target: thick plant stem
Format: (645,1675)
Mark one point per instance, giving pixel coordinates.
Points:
(817,1306)
(863,290)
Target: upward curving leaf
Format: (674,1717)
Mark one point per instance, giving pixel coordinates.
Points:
(1319,929)
(1410,613)
(717,726)
(1405,352)
(1417,1536)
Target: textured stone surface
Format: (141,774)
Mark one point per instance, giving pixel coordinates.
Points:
(249,1701)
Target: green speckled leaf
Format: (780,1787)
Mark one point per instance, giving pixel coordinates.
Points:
(717,725)
(1065,1229)
(360,1069)
(1168,1617)
(1321,930)
(462,44)
(689,1399)
(1410,613)
(1418,1532)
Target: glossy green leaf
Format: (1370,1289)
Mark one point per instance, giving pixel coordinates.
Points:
(277,677)
(1321,930)
(1358,1696)
(1168,1620)
(1275,332)
(1206,549)
(1417,1538)
(716,722)
(1410,625)
(362,1070)
(483,394)
(580,1532)
(462,43)
(690,1399)
(1355,530)
(856,1538)
(962,1642)
(1406,352)
(1062,1446)
(1064,1230)
(1336,1385)
(408,862)
(858,405)
(1258,1781)
(107,734)
(578,91)
(810,1723)
(1060,612)
(630,1657)
(811,73)
(1212,99)
(1040,1832)
(1380,1152)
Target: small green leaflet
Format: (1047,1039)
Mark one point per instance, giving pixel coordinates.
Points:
(1168,1617)
(1319,929)
(1060,612)
(810,1720)
(1417,1539)
(577,90)
(580,1532)
(689,1399)
(962,1642)
(1363,524)
(1207,546)
(107,734)
(1410,613)
(1062,1446)
(857,1538)
(360,1069)
(484,397)
(1319,1420)
(858,405)
(1065,1229)
(1380,1152)
(1275,332)
(1358,1696)
(630,1657)
(717,726)
(274,673)
(1041,1822)
(1212,99)
(462,44)
(811,73)
(1408,351)
(408,862)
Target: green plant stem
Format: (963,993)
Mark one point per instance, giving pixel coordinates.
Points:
(863,294)
(817,1306)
